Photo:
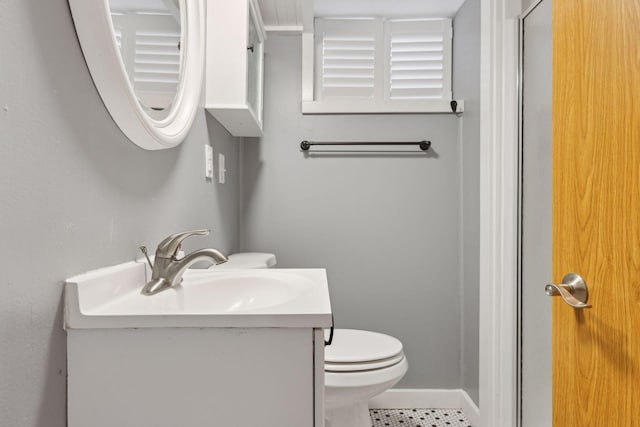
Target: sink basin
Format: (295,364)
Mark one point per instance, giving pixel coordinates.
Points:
(206,293)
(111,298)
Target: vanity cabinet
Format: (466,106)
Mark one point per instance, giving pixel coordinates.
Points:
(234,65)
(195,377)
(239,348)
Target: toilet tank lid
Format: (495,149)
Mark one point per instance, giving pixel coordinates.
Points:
(248,260)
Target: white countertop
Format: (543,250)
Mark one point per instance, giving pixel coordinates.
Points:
(251,298)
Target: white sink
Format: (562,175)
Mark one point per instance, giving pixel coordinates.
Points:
(111,298)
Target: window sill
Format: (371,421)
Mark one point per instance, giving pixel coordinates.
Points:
(366,106)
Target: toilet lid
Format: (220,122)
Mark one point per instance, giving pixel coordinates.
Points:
(248,260)
(363,366)
(360,348)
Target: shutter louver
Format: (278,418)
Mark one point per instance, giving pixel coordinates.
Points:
(156,71)
(348,54)
(348,66)
(417,63)
(149,44)
(157,58)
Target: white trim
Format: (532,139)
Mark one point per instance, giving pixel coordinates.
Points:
(498,212)
(365,106)
(428,398)
(308,60)
(307,50)
(417,398)
(283,29)
(470,409)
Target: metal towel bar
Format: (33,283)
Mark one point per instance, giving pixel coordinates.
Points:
(306,145)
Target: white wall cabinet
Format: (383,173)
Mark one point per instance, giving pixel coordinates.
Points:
(234,65)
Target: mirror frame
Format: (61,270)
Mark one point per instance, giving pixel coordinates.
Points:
(92,19)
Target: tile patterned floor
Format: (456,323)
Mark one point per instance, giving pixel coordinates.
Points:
(418,418)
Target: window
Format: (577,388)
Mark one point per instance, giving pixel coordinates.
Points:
(376,65)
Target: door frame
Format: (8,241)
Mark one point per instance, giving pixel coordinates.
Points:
(498,212)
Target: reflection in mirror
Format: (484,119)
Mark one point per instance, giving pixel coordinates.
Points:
(148,36)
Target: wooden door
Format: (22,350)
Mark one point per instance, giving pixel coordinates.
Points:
(596,211)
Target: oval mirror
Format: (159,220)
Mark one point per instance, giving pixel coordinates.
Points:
(146,58)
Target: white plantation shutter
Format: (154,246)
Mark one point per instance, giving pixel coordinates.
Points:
(156,71)
(149,47)
(382,65)
(348,53)
(157,58)
(348,66)
(419,65)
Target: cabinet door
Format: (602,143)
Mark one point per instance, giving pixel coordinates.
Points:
(234,74)
(191,377)
(254,69)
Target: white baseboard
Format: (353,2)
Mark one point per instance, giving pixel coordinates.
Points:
(428,398)
(470,409)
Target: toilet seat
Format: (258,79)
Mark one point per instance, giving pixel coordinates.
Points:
(363,366)
(356,351)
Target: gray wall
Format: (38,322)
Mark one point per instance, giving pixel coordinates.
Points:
(77,195)
(527,3)
(466,85)
(386,228)
(535,340)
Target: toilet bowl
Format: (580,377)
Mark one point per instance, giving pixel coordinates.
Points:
(358,364)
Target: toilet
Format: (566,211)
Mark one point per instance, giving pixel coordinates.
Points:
(358,365)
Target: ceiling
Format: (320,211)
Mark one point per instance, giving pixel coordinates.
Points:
(289,15)
(283,14)
(394,8)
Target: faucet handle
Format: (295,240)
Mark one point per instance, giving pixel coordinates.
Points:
(168,248)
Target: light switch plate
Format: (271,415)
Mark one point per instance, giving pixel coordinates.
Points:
(221,168)
(208,161)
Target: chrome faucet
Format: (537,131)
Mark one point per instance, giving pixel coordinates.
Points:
(167,269)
